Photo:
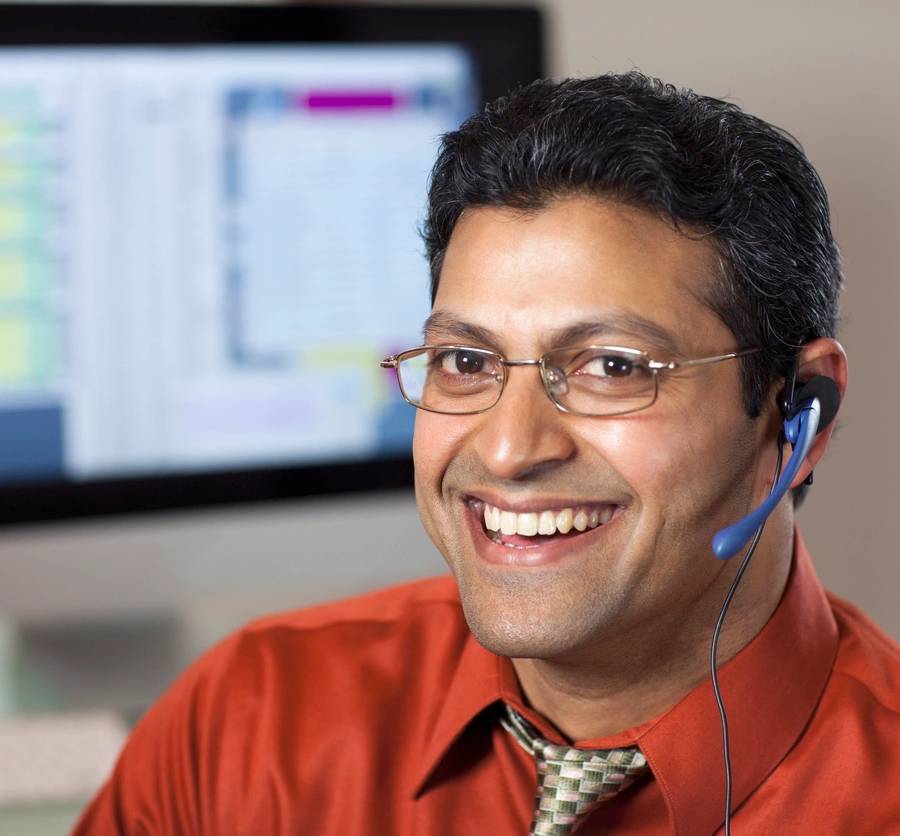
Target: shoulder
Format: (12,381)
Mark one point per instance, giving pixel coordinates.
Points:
(278,685)
(853,732)
(377,635)
(868,659)
(405,619)
(392,605)
(833,778)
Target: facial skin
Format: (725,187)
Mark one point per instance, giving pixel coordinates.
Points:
(616,626)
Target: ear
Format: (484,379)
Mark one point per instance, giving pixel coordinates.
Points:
(826,357)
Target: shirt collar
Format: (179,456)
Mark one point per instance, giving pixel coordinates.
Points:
(770,689)
(480,680)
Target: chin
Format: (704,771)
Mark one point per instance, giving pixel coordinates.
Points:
(523,627)
(520,646)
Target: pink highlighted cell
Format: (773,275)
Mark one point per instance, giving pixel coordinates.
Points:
(349,100)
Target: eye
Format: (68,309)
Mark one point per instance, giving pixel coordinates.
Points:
(608,365)
(461,362)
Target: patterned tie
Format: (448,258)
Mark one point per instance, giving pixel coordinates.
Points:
(572,782)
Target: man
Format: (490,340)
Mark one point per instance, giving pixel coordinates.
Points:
(620,231)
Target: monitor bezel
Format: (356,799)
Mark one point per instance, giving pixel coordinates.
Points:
(507,45)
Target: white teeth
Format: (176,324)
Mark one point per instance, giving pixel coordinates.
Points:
(528,525)
(491,517)
(546,522)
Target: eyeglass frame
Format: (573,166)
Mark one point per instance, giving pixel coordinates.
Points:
(656,366)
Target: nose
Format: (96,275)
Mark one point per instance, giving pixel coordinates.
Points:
(523,433)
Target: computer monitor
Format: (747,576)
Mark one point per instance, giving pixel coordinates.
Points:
(209,237)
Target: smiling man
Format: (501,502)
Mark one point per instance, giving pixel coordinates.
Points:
(627,281)
(607,616)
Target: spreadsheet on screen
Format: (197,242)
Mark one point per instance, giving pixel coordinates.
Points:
(204,251)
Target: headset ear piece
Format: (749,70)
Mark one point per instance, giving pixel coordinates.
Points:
(821,387)
(813,407)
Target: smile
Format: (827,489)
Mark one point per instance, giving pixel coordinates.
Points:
(532,537)
(548,522)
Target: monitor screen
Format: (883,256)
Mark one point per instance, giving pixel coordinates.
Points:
(205,250)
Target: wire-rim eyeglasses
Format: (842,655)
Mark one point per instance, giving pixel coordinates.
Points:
(589,381)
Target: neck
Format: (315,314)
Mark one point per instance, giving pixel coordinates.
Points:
(629,682)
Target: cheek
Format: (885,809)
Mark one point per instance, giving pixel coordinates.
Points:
(435,441)
(670,462)
(645,454)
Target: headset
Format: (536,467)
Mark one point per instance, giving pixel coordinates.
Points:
(806,413)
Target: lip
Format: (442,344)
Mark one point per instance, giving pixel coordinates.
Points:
(539,555)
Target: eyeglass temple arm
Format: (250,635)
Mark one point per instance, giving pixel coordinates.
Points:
(705,361)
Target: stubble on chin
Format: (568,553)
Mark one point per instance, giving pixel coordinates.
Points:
(534,615)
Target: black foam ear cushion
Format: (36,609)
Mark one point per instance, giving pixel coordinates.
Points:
(826,390)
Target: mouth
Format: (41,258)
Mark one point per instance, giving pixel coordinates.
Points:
(536,535)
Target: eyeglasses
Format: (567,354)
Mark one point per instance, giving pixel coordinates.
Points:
(591,381)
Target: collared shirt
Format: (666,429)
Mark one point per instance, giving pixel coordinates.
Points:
(379,715)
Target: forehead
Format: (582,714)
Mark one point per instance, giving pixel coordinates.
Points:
(533,279)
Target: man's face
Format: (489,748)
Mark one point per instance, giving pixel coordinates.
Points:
(670,475)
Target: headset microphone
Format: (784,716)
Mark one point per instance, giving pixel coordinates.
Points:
(810,411)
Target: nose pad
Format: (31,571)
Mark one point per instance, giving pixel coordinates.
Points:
(556,381)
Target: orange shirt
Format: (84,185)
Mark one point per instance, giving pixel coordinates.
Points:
(379,715)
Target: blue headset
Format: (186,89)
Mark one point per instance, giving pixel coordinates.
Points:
(806,414)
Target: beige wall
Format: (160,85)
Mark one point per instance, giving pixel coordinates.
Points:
(828,72)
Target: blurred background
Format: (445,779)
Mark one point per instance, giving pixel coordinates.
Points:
(205,251)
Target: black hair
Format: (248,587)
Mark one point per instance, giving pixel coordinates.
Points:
(698,162)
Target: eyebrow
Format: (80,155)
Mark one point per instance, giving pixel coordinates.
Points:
(631,325)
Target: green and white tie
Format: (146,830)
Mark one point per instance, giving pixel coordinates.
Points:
(572,782)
